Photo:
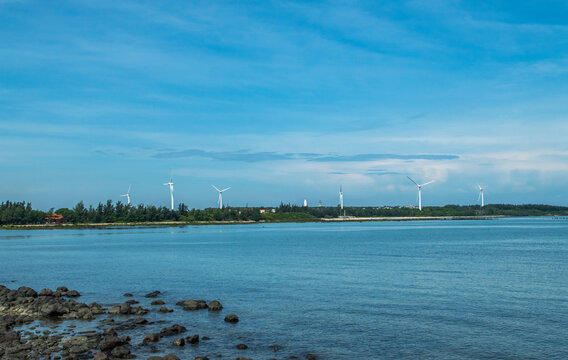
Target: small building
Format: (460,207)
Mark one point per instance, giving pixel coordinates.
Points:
(262,211)
(54,218)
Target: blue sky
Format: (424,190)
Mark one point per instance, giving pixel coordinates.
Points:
(283,100)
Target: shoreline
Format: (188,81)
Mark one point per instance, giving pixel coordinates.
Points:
(55,324)
(205,223)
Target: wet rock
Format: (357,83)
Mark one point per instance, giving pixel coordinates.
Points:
(25,291)
(172,330)
(151,338)
(242,346)
(127,309)
(215,305)
(232,318)
(154,358)
(201,358)
(72,294)
(194,339)
(164,309)
(107,321)
(131,302)
(110,342)
(101,356)
(276,348)
(139,321)
(179,342)
(309,356)
(192,305)
(128,295)
(206,338)
(46,292)
(242,358)
(153,294)
(157,302)
(170,357)
(120,352)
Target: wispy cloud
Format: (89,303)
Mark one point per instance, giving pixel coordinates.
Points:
(247,156)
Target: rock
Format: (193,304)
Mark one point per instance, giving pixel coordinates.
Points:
(157,302)
(139,321)
(310,356)
(153,294)
(194,339)
(126,309)
(46,292)
(72,294)
(242,346)
(110,342)
(172,330)
(62,289)
(192,305)
(242,358)
(27,292)
(152,338)
(206,338)
(276,347)
(164,309)
(131,302)
(154,358)
(201,358)
(101,356)
(120,352)
(179,342)
(128,295)
(170,357)
(215,305)
(232,318)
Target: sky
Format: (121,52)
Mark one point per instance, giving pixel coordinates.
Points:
(283,101)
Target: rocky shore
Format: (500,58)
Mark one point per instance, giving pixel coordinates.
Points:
(41,325)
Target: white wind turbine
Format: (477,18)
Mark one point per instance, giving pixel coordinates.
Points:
(171,184)
(220,201)
(341,197)
(127,195)
(480,195)
(420,191)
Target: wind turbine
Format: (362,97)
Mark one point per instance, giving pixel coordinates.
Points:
(127,195)
(171,184)
(420,191)
(480,195)
(220,195)
(341,197)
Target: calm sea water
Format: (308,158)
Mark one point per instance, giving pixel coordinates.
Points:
(494,289)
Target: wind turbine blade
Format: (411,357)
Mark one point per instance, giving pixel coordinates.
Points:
(226,189)
(129,186)
(429,182)
(413,181)
(214,187)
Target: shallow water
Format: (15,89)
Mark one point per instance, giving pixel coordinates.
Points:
(487,289)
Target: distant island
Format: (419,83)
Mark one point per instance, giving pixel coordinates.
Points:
(21,214)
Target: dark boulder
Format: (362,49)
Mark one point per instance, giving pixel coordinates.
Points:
(110,342)
(157,302)
(215,305)
(194,339)
(192,305)
(27,292)
(164,309)
(170,357)
(46,292)
(72,294)
(172,330)
(179,342)
(232,318)
(151,338)
(128,295)
(120,352)
(153,294)
(242,346)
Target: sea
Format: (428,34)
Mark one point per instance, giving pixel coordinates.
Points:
(448,289)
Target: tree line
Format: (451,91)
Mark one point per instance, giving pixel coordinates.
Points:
(22,213)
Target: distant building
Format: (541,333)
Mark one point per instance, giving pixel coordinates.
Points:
(54,219)
(262,211)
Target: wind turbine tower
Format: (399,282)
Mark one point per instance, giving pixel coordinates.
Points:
(127,195)
(480,195)
(420,191)
(171,184)
(341,197)
(220,200)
